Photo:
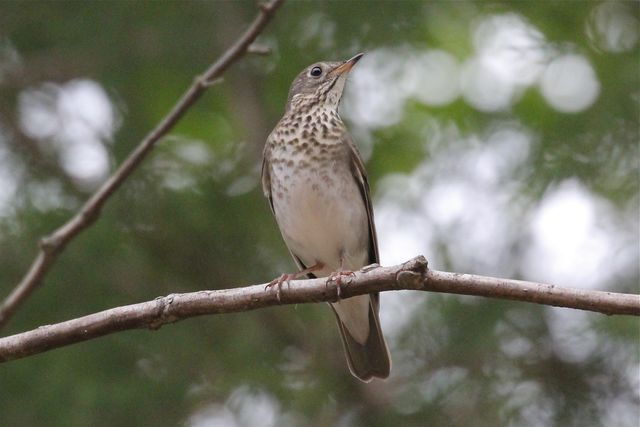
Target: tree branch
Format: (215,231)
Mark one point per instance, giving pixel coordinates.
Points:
(52,245)
(412,275)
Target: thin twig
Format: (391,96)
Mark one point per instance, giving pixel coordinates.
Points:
(412,275)
(52,245)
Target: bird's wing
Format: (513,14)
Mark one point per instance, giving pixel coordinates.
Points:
(266,177)
(360,175)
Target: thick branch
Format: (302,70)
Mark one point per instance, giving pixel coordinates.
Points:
(412,275)
(51,246)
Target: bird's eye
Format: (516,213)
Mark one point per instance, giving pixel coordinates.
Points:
(316,71)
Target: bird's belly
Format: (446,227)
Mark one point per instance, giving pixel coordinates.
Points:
(322,218)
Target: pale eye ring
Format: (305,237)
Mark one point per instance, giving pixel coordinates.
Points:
(315,72)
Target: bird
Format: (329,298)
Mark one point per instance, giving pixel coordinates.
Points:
(315,182)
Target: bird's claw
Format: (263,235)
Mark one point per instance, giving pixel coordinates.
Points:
(336,277)
(277,282)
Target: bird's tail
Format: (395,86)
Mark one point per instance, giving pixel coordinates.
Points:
(371,358)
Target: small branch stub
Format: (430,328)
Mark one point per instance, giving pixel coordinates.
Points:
(259,49)
(413,273)
(48,244)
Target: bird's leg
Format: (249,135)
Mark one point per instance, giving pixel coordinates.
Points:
(286,277)
(337,276)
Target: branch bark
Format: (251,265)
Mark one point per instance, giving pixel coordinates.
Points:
(52,245)
(412,275)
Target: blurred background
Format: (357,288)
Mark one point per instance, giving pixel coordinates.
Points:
(500,139)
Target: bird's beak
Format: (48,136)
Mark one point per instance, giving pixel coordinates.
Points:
(347,65)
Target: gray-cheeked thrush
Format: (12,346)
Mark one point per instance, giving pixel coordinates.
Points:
(316,184)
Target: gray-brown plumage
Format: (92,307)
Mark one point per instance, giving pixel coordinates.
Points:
(317,187)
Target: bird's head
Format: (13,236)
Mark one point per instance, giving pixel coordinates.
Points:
(322,82)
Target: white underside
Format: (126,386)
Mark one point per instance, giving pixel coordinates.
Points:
(326,227)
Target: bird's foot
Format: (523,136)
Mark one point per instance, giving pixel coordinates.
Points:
(337,277)
(285,278)
(278,281)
